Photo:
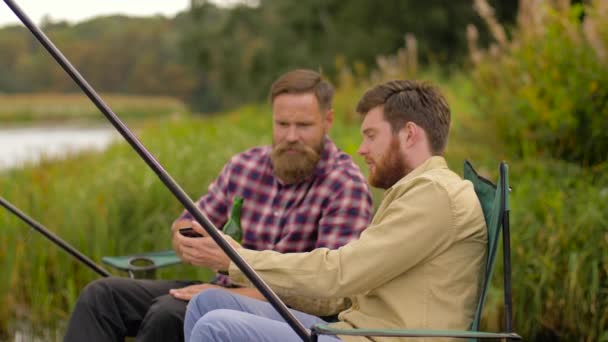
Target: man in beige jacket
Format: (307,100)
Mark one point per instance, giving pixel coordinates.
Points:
(418,265)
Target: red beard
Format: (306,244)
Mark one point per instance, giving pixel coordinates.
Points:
(294,163)
(390,169)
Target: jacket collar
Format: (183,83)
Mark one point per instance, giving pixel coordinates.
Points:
(434,162)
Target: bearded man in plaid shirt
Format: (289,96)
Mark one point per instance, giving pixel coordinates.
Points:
(299,194)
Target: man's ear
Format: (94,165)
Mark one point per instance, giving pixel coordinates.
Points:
(409,134)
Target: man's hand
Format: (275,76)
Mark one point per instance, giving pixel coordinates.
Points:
(203,251)
(175,227)
(186,293)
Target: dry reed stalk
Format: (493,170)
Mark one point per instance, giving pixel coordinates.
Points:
(494,50)
(562,5)
(487,13)
(602,7)
(402,65)
(472,39)
(411,45)
(531,16)
(591,32)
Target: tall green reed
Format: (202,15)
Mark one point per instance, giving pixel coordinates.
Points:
(107,204)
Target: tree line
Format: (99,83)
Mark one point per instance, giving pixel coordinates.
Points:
(218,57)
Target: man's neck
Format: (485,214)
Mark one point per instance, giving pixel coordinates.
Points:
(415,159)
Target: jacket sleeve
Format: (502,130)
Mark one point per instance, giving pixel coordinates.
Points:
(413,224)
(312,306)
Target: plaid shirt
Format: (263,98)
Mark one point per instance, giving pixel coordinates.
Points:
(328,210)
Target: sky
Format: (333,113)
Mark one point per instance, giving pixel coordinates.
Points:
(78,10)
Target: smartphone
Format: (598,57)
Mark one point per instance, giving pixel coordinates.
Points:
(189,232)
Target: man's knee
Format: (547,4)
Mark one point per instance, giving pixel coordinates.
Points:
(215,326)
(98,292)
(166,309)
(209,300)
(163,321)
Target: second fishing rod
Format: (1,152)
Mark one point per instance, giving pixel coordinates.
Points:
(54,238)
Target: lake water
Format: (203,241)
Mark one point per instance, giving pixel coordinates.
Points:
(21,145)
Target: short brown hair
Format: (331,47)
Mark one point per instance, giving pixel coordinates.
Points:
(414,101)
(302,81)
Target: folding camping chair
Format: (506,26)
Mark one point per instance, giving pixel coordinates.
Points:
(144,265)
(494,202)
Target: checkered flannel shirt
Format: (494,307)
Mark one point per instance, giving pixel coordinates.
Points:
(328,210)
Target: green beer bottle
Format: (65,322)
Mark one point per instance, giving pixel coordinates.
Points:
(232,227)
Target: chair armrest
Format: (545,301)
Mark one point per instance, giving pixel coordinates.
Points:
(151,261)
(324,329)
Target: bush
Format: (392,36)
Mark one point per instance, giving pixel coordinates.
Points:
(547,88)
(559,239)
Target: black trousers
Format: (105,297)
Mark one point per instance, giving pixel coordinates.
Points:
(110,309)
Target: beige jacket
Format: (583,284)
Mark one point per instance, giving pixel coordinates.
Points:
(419,264)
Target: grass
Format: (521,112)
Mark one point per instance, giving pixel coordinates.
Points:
(106,204)
(54,107)
(110,204)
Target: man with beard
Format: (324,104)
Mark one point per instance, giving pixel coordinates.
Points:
(418,265)
(299,194)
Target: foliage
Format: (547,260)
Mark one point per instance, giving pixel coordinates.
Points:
(220,57)
(559,218)
(559,265)
(240,48)
(111,204)
(20,108)
(116,54)
(547,88)
(105,204)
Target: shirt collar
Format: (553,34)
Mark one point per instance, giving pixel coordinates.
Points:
(434,162)
(325,163)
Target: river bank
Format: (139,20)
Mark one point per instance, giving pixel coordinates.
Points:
(27,145)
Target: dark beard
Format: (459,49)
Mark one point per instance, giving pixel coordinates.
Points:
(390,169)
(294,168)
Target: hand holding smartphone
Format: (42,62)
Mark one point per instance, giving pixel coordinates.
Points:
(189,232)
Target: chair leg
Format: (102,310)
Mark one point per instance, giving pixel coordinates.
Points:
(507,273)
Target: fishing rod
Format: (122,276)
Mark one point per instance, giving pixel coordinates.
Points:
(164,176)
(54,238)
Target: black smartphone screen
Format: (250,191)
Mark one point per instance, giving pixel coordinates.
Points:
(189,232)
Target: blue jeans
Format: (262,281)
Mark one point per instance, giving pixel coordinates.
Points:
(219,315)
